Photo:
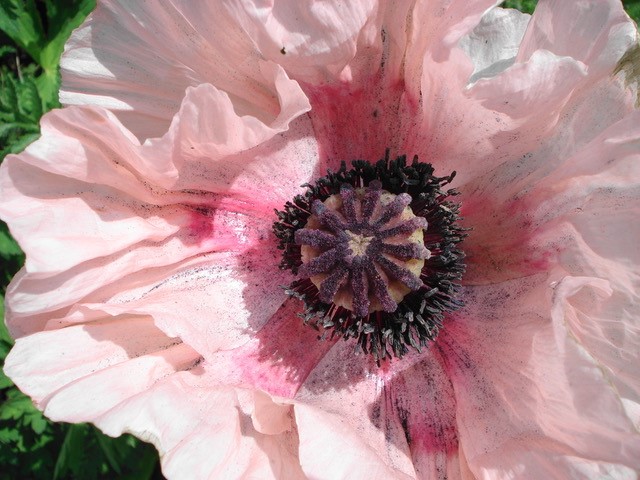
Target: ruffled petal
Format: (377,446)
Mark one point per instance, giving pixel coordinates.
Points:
(538,88)
(405,415)
(214,150)
(119,161)
(269,417)
(463,130)
(539,403)
(401,417)
(207,124)
(330,449)
(90,361)
(594,32)
(602,321)
(145,213)
(212,437)
(279,357)
(231,295)
(528,200)
(77,186)
(315,42)
(412,97)
(474,128)
(125,375)
(334,42)
(173,46)
(148,258)
(434,30)
(493,44)
(437,115)
(48,213)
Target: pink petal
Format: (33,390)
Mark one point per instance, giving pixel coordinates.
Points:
(48,213)
(330,449)
(313,41)
(271,418)
(138,235)
(494,43)
(538,397)
(215,150)
(514,110)
(207,123)
(463,137)
(104,276)
(334,42)
(230,297)
(595,32)
(403,414)
(212,437)
(172,47)
(600,319)
(129,233)
(435,30)
(279,357)
(73,138)
(536,195)
(539,87)
(437,116)
(90,361)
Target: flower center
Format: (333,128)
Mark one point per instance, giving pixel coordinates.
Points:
(363,249)
(375,251)
(358,243)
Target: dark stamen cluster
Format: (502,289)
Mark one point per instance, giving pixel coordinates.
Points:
(353,248)
(417,318)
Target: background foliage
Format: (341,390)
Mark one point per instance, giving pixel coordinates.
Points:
(32,37)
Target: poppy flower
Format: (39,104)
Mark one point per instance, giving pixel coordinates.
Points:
(226,178)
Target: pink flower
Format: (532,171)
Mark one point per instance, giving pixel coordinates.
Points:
(151,299)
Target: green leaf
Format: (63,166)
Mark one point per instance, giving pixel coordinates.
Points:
(26,437)
(6,342)
(9,435)
(527,6)
(6,129)
(8,246)
(5,339)
(114,450)
(72,457)
(23,142)
(20,21)
(7,50)
(5,382)
(21,106)
(16,405)
(633,8)
(8,92)
(144,461)
(23,99)
(62,19)
(87,453)
(39,424)
(48,84)
(29,100)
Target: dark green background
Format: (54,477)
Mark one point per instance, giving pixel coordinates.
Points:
(32,37)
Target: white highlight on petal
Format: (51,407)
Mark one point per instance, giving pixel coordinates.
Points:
(493,45)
